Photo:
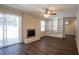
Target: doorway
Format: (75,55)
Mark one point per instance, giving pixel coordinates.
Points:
(9,29)
(70,26)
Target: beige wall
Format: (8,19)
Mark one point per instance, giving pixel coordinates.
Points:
(70,29)
(31,22)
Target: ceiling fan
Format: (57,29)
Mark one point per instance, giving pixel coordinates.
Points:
(49,12)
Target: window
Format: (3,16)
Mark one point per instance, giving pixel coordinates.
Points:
(42,25)
(55,25)
(52,25)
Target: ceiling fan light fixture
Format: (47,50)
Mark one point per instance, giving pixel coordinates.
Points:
(49,12)
(46,15)
(53,14)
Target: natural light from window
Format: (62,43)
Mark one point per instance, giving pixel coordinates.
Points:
(42,25)
(52,25)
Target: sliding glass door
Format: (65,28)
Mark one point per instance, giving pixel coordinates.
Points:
(12,29)
(9,29)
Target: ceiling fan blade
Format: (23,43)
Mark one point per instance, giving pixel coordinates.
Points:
(53,14)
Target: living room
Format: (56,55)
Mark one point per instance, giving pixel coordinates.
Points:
(39,29)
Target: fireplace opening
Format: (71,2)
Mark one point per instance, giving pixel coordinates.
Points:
(30,33)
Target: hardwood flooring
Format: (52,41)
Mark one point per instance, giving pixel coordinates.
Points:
(45,46)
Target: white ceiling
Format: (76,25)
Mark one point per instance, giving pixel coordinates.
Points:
(38,9)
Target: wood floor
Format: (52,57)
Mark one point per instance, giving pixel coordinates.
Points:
(45,46)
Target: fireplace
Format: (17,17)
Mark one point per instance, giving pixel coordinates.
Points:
(30,33)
